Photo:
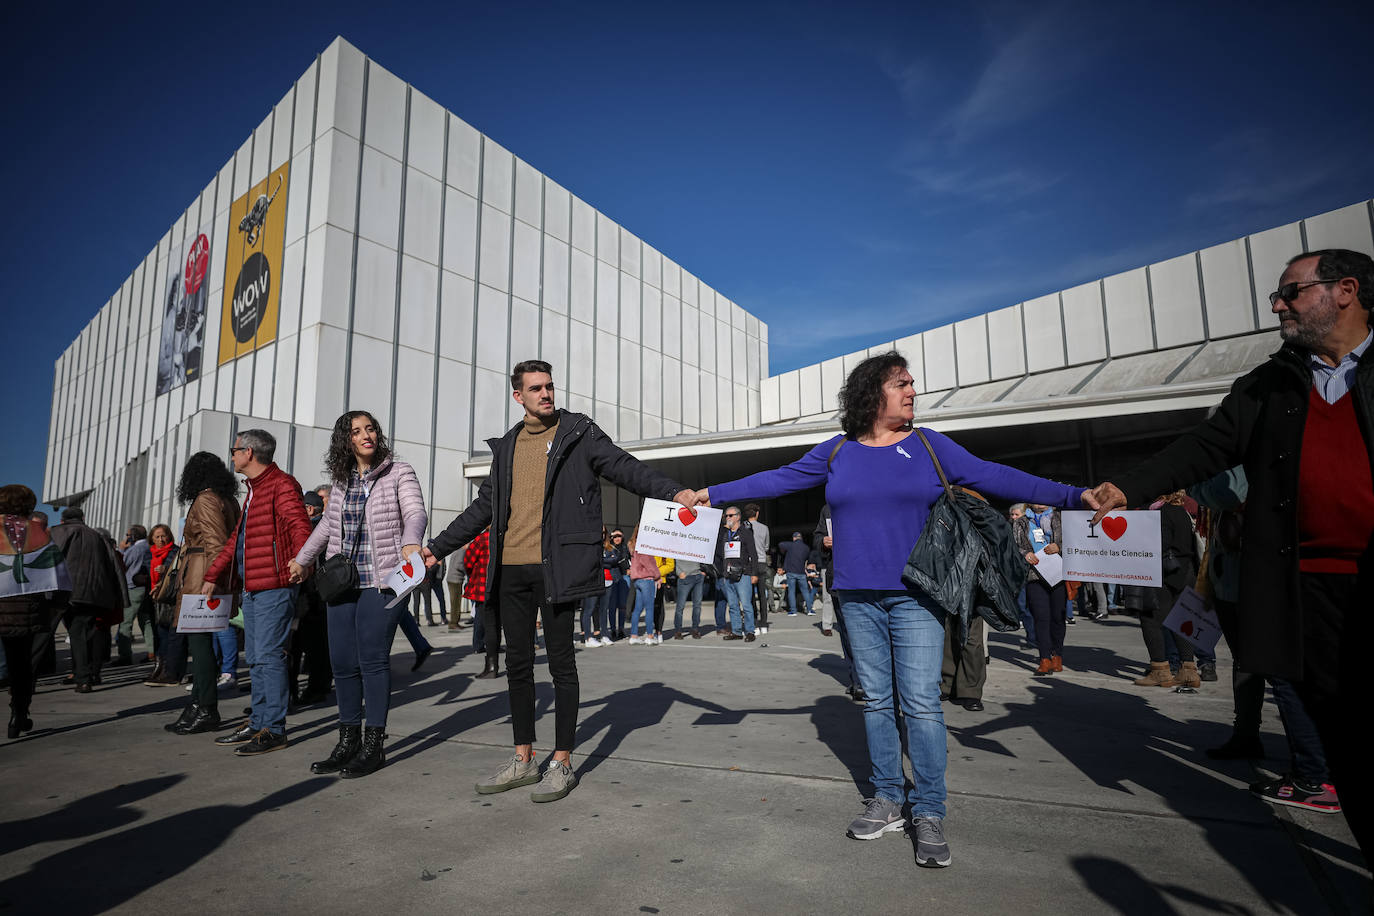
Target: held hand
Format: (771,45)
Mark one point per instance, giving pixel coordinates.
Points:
(688,498)
(408,551)
(428,557)
(297,572)
(828,541)
(1051,549)
(702,497)
(1104,498)
(1032,559)
(207,589)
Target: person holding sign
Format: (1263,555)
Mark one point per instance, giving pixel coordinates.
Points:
(1180,565)
(881,485)
(1302,425)
(375,516)
(1039,534)
(212,492)
(543,503)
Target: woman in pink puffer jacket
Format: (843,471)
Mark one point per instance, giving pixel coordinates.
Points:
(376,516)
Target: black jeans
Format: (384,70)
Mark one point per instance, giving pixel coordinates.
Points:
(310,644)
(1247,690)
(86,642)
(1335,690)
(763,595)
(1049,607)
(204,671)
(19,656)
(518,602)
(172,652)
(1157,607)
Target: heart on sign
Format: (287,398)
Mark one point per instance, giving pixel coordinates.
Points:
(1114,527)
(1187,628)
(686,516)
(212,603)
(408,569)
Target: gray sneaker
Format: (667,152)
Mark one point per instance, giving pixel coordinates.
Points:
(513,775)
(881,815)
(931,849)
(558,781)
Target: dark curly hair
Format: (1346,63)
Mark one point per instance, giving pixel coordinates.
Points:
(206,471)
(862,393)
(340,461)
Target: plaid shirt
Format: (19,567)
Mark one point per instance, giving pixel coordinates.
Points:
(475,565)
(352,521)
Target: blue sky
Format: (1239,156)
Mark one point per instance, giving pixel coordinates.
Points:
(847,172)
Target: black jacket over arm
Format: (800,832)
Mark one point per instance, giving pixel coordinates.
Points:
(1260,425)
(570,539)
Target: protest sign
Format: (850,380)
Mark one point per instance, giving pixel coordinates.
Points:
(205,614)
(1123,549)
(404,579)
(1192,618)
(667,529)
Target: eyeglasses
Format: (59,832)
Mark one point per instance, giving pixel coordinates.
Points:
(616,537)
(238,448)
(1289,291)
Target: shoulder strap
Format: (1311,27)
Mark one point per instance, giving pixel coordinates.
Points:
(944,481)
(835,451)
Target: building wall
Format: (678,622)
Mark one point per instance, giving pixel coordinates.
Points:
(1213,294)
(420,260)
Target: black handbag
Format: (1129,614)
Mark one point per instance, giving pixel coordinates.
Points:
(338,575)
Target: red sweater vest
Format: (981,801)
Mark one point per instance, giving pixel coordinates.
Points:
(1335,489)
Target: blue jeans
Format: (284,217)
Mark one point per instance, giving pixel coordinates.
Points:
(689,587)
(267,619)
(897,632)
(739,596)
(360,651)
(227,648)
(409,627)
(644,604)
(797,582)
(594,613)
(620,594)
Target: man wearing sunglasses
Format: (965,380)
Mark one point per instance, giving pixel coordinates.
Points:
(1302,425)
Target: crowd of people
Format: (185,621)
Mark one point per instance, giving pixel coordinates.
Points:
(1267,508)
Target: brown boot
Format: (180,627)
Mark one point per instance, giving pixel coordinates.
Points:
(1158,676)
(1188,676)
(1046,667)
(1057,662)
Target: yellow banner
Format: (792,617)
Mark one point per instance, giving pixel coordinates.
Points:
(252,267)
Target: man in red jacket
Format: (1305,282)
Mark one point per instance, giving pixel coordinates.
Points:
(272,529)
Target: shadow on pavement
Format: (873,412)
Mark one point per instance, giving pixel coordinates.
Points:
(105,872)
(96,813)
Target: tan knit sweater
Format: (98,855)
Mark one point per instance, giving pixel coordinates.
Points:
(522,544)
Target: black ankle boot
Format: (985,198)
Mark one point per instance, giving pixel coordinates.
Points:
(370,758)
(493,667)
(19,722)
(187,715)
(350,739)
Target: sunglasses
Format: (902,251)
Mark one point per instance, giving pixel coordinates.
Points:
(732,515)
(1289,291)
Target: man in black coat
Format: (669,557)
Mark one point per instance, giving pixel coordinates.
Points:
(1302,425)
(542,500)
(97,589)
(736,560)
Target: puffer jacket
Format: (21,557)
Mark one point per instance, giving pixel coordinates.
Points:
(209,522)
(394,516)
(97,580)
(275,528)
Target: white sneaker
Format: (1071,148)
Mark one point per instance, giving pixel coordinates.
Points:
(636,641)
(658,640)
(592,642)
(761,630)
(226,680)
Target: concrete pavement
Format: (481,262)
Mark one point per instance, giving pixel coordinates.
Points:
(715,778)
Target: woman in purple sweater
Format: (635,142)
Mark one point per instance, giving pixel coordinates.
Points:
(376,515)
(881,485)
